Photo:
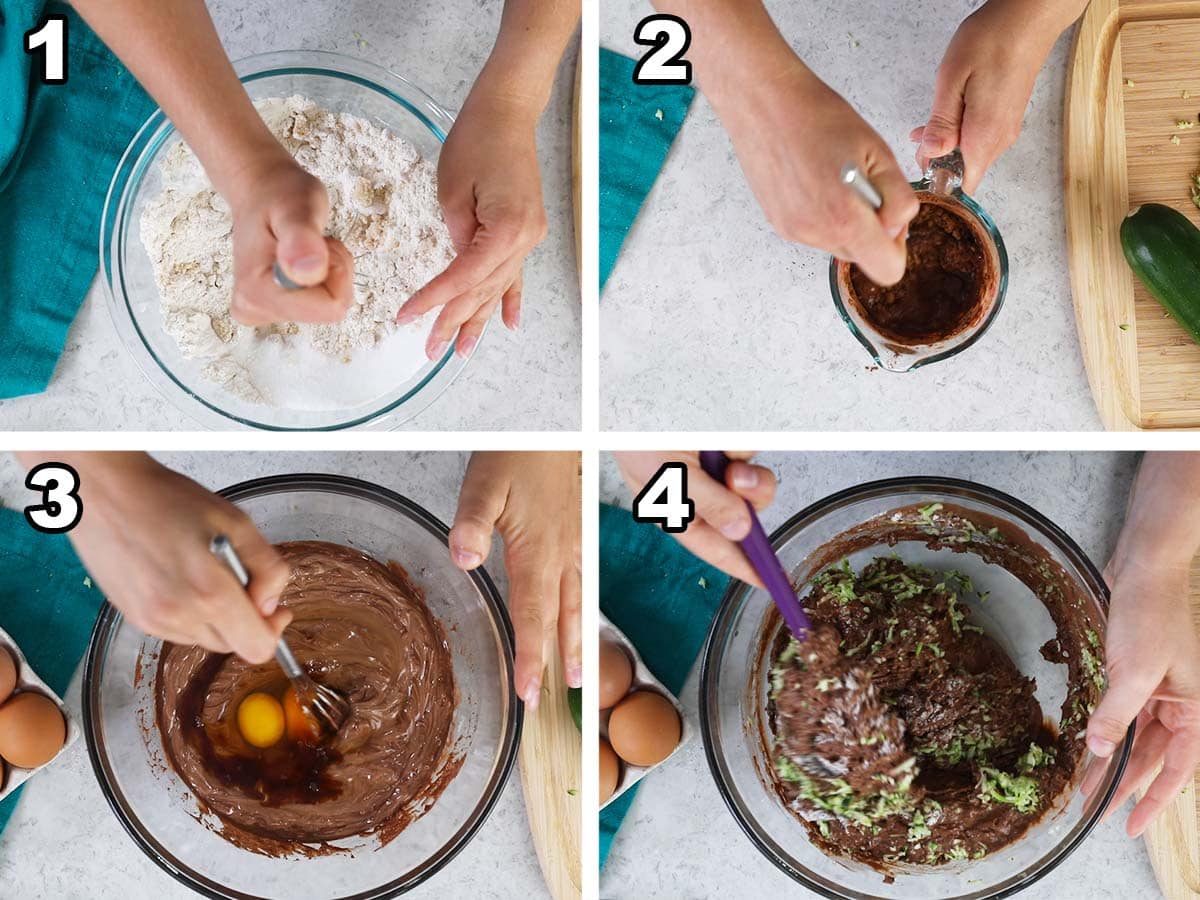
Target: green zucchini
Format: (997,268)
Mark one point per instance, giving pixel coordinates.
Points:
(575,702)
(1163,248)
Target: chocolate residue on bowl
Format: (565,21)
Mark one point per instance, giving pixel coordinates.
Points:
(364,629)
(948,279)
(954,760)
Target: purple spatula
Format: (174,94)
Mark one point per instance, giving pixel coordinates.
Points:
(757,547)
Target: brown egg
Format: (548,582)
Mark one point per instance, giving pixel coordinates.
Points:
(8,674)
(616,673)
(644,728)
(610,770)
(32,730)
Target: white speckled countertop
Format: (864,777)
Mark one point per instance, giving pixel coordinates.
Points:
(97,385)
(711,322)
(63,842)
(679,833)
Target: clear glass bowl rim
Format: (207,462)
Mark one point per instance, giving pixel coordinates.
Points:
(732,601)
(108,618)
(131,169)
(993,231)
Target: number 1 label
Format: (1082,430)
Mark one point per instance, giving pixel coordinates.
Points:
(49,42)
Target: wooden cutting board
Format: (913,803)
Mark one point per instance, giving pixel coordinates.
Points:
(1143,368)
(1174,838)
(551,757)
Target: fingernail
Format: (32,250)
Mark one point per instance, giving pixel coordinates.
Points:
(406,318)
(735,531)
(516,321)
(467,346)
(745,478)
(306,265)
(270,605)
(575,676)
(467,559)
(438,350)
(1101,747)
(533,693)
(896,231)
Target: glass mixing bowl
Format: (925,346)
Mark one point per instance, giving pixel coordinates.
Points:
(733,691)
(942,181)
(335,82)
(153,803)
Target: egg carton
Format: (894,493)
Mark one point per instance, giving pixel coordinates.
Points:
(27,680)
(643,679)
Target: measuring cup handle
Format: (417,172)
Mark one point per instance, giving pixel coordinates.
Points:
(945,174)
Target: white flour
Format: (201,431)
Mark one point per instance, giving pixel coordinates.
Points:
(384,208)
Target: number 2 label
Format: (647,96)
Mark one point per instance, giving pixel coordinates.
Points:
(61,507)
(664,500)
(49,41)
(670,37)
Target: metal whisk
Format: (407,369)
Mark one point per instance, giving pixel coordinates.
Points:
(287,284)
(329,706)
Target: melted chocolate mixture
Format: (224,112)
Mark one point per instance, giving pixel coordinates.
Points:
(899,732)
(362,628)
(946,282)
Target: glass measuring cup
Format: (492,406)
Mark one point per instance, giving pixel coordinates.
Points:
(942,183)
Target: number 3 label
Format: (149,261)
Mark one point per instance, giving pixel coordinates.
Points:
(670,37)
(61,508)
(664,500)
(49,40)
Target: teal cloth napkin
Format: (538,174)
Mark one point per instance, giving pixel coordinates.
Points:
(46,606)
(664,600)
(638,123)
(59,146)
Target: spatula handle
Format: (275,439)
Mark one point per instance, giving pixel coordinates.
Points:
(757,547)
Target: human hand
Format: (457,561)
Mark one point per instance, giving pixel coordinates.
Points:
(985,80)
(721,515)
(490,188)
(1153,666)
(280,213)
(144,538)
(793,134)
(534,501)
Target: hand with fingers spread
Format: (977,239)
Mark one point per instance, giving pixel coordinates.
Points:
(721,515)
(1152,648)
(489,182)
(986,79)
(490,189)
(793,134)
(533,501)
(144,538)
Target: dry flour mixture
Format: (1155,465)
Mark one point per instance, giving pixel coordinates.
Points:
(384,208)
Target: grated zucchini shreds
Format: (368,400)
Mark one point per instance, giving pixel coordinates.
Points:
(996,786)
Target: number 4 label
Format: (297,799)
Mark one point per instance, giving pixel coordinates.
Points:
(49,41)
(664,500)
(61,507)
(670,37)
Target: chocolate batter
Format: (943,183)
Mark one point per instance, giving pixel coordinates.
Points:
(899,732)
(946,285)
(362,628)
